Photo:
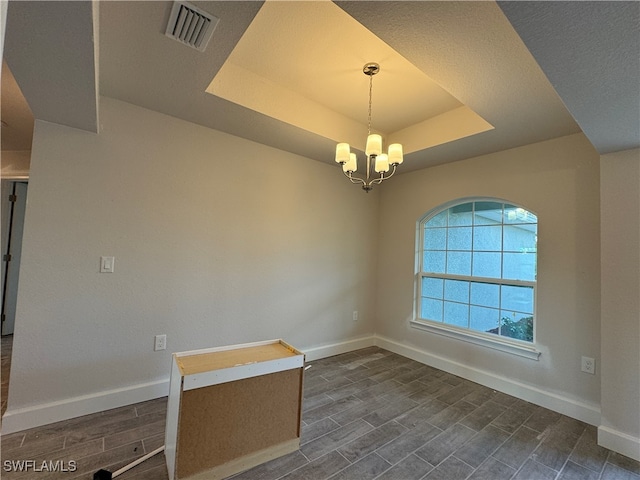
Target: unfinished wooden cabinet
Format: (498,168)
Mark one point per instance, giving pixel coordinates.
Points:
(232,408)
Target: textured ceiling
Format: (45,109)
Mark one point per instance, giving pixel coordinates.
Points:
(469,49)
(526,68)
(50,49)
(591,54)
(279,68)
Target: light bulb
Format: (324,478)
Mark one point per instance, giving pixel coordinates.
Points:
(374,145)
(395,154)
(382,163)
(342,153)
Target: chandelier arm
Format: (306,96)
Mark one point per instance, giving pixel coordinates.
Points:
(366,183)
(353,179)
(379,180)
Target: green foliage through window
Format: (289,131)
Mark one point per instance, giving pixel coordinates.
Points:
(520,329)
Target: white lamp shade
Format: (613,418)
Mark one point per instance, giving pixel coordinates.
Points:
(351,165)
(382,163)
(374,145)
(395,154)
(342,153)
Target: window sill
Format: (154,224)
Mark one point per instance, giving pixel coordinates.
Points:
(513,348)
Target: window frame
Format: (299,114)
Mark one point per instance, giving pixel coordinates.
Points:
(513,346)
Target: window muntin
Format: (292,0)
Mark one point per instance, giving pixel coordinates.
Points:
(478,269)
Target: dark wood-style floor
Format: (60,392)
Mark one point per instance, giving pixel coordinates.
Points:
(368,414)
(5,368)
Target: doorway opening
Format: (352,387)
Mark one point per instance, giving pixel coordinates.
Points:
(13,203)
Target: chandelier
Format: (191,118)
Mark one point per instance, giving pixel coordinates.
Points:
(378,163)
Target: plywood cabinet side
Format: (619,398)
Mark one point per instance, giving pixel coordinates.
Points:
(231,408)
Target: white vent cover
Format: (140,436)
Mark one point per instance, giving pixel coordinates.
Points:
(190,25)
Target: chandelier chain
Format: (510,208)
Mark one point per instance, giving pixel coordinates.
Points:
(370,95)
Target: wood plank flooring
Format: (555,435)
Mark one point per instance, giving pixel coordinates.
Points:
(5,366)
(368,414)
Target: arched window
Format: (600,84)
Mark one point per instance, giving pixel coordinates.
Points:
(477,270)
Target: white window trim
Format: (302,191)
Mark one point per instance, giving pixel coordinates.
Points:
(477,338)
(503,344)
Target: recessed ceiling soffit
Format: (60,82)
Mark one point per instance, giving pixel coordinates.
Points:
(301,63)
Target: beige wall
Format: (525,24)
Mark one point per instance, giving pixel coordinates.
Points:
(3,26)
(559,181)
(620,331)
(217,241)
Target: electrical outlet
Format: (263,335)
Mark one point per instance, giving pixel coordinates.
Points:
(588,365)
(355,315)
(160,342)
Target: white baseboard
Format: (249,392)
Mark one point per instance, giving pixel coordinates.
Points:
(44,414)
(323,351)
(619,442)
(15,420)
(572,408)
(38,415)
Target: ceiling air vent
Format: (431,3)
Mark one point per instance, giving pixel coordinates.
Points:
(190,25)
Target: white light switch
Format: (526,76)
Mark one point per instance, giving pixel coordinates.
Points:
(107,264)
